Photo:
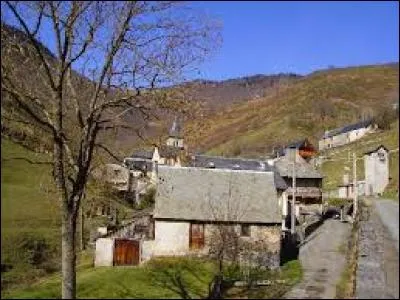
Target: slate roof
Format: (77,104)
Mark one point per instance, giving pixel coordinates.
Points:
(146,154)
(190,193)
(303,169)
(139,164)
(376,149)
(347,128)
(218,162)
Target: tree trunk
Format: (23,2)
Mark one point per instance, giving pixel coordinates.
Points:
(68,256)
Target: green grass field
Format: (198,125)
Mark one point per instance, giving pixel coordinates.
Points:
(29,215)
(158,278)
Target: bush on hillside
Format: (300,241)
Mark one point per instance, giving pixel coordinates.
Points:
(148,199)
(385,116)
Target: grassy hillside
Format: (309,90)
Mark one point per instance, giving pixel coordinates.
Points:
(334,170)
(30,223)
(320,101)
(30,219)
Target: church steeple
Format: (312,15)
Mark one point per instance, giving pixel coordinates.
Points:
(175,138)
(175,130)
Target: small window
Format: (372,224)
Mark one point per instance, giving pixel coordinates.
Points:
(245,230)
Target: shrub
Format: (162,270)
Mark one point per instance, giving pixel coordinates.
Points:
(384,117)
(148,199)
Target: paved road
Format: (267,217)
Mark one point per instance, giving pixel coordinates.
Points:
(322,261)
(378,254)
(388,211)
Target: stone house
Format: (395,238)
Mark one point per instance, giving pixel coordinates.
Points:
(376,164)
(308,184)
(192,203)
(344,135)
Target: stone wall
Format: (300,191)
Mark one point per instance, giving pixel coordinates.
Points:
(263,244)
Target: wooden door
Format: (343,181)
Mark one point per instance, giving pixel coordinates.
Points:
(196,236)
(126,252)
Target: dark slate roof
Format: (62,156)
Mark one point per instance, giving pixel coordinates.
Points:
(169,151)
(139,164)
(303,169)
(190,193)
(376,149)
(176,128)
(347,128)
(146,154)
(218,162)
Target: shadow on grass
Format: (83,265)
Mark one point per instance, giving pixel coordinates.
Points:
(185,277)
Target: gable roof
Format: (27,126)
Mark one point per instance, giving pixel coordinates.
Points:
(303,169)
(347,128)
(190,193)
(376,149)
(231,163)
(139,164)
(146,154)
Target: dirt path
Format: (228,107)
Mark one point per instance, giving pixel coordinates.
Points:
(323,261)
(378,259)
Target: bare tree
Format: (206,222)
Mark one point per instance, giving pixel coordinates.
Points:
(225,244)
(109,58)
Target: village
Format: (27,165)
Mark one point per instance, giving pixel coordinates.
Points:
(199,197)
(199,150)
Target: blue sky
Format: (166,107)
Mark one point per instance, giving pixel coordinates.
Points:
(300,37)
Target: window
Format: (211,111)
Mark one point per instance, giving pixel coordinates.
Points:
(245,230)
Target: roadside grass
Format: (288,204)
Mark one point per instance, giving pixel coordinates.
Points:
(345,287)
(281,282)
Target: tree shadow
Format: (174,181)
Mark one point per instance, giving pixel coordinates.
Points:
(179,277)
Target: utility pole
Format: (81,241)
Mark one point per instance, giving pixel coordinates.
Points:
(355,188)
(293,211)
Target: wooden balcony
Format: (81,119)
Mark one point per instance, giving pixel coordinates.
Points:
(306,192)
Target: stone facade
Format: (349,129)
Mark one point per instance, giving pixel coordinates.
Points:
(262,245)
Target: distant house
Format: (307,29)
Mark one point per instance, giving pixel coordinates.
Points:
(344,135)
(304,146)
(169,154)
(191,202)
(376,164)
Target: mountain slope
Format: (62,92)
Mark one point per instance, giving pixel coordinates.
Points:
(306,108)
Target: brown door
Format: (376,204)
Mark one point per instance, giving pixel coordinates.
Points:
(126,252)
(196,236)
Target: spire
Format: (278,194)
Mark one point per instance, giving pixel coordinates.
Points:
(175,130)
